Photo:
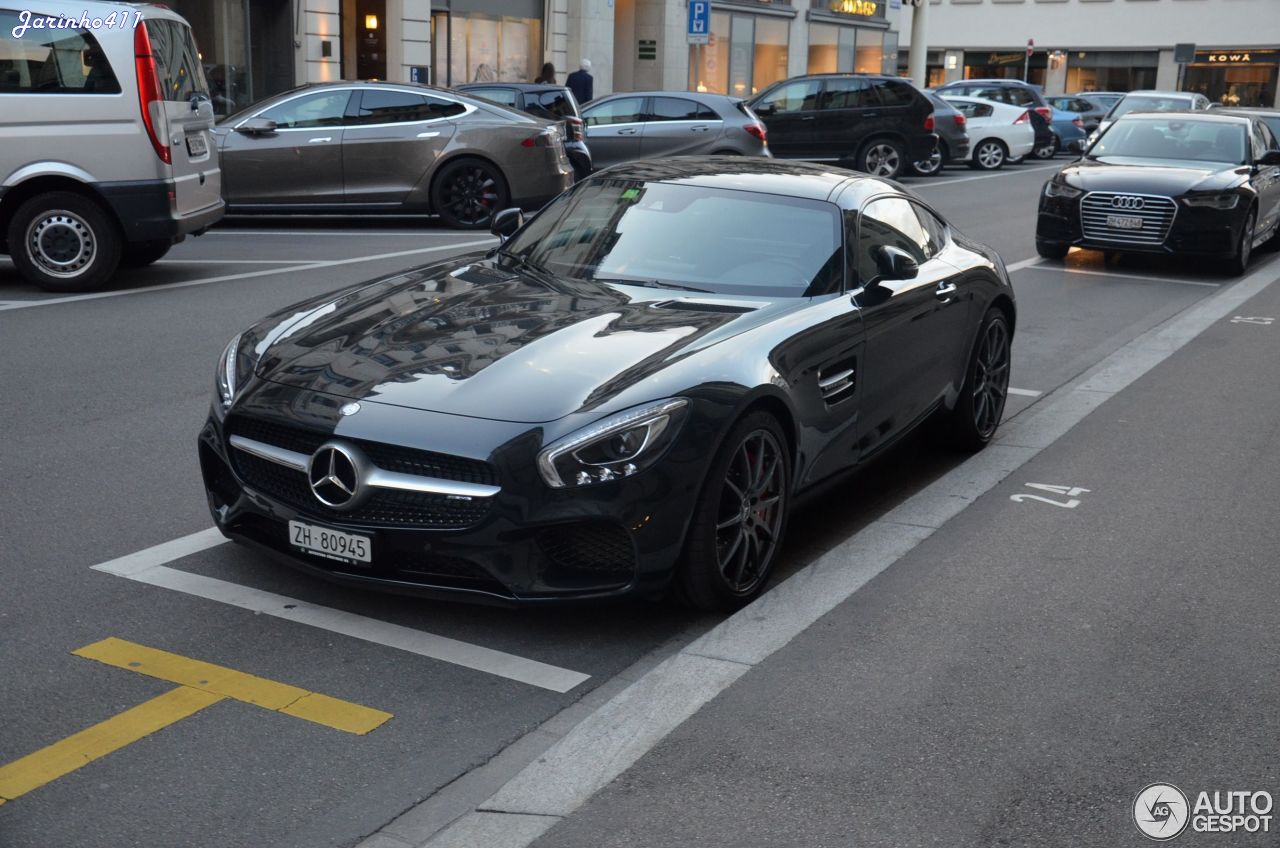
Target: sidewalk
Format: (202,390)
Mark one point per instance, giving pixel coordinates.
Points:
(1021,674)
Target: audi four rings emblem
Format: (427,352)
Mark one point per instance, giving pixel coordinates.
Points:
(334,476)
(1127,202)
(349,409)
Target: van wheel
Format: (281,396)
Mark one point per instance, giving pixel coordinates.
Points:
(467,193)
(64,242)
(139,254)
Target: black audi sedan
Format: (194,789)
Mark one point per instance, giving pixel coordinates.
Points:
(626,396)
(1187,183)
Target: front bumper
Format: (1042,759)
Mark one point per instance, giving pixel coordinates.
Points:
(529,543)
(1192,232)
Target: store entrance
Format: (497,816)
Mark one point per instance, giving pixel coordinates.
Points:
(364,39)
(1234,83)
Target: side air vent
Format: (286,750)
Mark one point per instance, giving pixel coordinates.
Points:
(836,382)
(723,306)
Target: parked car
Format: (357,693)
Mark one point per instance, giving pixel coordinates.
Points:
(78,201)
(1268,115)
(1013,93)
(645,124)
(553,102)
(1105,99)
(627,395)
(953,138)
(1068,135)
(378,147)
(1150,101)
(872,123)
(998,132)
(1089,110)
(1184,183)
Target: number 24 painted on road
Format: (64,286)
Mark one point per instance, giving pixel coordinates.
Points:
(1069,491)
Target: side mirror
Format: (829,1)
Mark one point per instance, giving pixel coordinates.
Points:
(257,126)
(506,222)
(765,111)
(1271,157)
(894,263)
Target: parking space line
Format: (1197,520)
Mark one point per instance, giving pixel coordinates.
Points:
(946,182)
(1142,278)
(146,567)
(66,755)
(223,682)
(235,262)
(311,266)
(1023,392)
(406,232)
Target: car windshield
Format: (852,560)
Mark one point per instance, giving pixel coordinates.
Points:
(683,236)
(1173,138)
(1149,104)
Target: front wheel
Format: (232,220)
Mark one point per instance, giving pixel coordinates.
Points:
(883,157)
(977,413)
(1239,261)
(1052,249)
(739,519)
(989,154)
(64,242)
(467,193)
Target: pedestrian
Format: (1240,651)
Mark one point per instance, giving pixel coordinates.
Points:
(581,83)
(548,74)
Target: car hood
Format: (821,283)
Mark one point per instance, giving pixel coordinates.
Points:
(480,340)
(1150,176)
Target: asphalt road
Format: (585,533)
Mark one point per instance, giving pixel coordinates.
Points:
(103,396)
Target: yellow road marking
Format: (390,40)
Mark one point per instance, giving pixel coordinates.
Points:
(65,756)
(229,683)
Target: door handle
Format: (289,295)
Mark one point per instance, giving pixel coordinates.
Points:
(628,131)
(945,290)
(870,114)
(320,140)
(428,134)
(807,117)
(698,129)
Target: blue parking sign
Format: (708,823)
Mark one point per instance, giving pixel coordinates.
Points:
(699,21)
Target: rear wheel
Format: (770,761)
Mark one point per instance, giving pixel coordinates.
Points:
(882,157)
(139,254)
(739,519)
(977,413)
(64,242)
(989,154)
(467,193)
(934,164)
(1047,151)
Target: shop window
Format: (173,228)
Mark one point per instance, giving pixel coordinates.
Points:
(742,37)
(870,52)
(771,53)
(823,39)
(481,48)
(709,63)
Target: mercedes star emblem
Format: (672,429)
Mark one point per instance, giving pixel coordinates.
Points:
(334,476)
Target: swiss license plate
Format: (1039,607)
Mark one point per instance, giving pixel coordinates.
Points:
(196,145)
(1124,222)
(333,544)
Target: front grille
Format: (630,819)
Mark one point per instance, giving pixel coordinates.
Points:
(1156,213)
(595,548)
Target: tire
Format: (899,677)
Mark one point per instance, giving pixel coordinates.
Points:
(882,157)
(731,547)
(1048,151)
(1052,249)
(933,165)
(467,193)
(990,154)
(64,242)
(140,254)
(1238,262)
(977,413)
(1015,160)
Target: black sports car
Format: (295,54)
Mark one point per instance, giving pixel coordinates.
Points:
(626,396)
(1194,183)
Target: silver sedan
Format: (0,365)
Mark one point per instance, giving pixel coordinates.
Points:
(646,124)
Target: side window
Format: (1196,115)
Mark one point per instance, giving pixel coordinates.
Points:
(1259,140)
(798,96)
(322,109)
(1000,95)
(706,113)
(974,110)
(894,93)
(673,109)
(847,94)
(61,61)
(890,221)
(505,96)
(558,103)
(401,107)
(934,227)
(624,110)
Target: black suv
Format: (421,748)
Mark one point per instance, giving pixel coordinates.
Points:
(553,102)
(876,124)
(1015,93)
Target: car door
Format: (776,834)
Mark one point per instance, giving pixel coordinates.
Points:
(790,114)
(1265,178)
(613,129)
(676,125)
(297,162)
(916,329)
(393,137)
(848,114)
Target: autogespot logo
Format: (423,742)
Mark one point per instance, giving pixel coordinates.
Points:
(1160,811)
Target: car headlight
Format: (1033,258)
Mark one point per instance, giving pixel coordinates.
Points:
(1212,201)
(1057,189)
(234,367)
(614,447)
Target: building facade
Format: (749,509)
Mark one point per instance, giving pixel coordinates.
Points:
(1108,45)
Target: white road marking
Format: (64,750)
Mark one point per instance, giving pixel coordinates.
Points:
(1141,278)
(148,566)
(1023,263)
(311,266)
(235,262)
(1018,170)
(1023,392)
(409,233)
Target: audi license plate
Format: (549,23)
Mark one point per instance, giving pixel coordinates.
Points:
(196,145)
(1124,222)
(332,544)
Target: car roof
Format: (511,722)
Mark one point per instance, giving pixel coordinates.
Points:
(1008,82)
(1221,116)
(1190,95)
(747,173)
(519,86)
(1251,110)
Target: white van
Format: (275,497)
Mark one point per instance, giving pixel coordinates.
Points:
(106,152)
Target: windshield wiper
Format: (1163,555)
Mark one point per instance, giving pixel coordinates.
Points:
(523,263)
(650,284)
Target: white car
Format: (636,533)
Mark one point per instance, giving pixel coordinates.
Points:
(998,132)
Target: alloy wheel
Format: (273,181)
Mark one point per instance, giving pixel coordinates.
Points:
(471,196)
(61,243)
(1246,242)
(882,160)
(929,167)
(750,512)
(990,155)
(991,378)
